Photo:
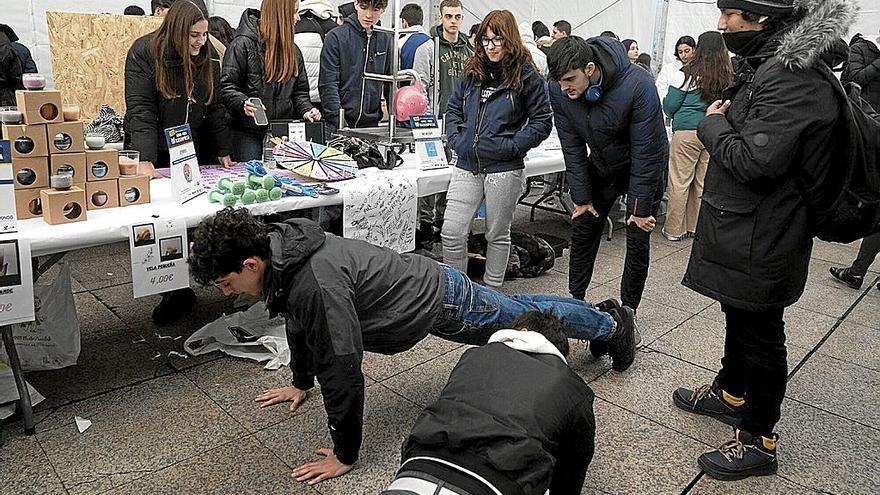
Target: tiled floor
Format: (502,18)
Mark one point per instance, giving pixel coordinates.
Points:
(172,425)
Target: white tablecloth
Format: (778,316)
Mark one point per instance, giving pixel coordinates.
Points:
(112,225)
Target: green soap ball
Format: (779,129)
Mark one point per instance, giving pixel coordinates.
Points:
(225,184)
(230,200)
(276,193)
(249,197)
(268,182)
(239,188)
(262,195)
(215,196)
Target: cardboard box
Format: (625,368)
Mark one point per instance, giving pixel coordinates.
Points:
(28,203)
(134,190)
(40,107)
(30,173)
(63,206)
(66,137)
(102,164)
(69,162)
(26,140)
(102,194)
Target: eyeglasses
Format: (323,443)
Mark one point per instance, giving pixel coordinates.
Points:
(496,41)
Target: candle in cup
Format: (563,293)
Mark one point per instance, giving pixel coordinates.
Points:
(33,82)
(70,112)
(10,115)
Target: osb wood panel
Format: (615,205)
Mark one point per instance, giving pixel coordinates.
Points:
(88,56)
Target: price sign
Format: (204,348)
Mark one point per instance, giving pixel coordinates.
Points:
(186,177)
(158,256)
(8,221)
(16,282)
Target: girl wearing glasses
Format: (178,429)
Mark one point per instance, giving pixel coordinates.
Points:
(498,112)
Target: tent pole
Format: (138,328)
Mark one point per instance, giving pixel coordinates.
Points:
(660,20)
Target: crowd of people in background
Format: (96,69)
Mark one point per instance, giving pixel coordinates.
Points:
(500,87)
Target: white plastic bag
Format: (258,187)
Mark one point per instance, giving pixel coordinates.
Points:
(52,340)
(247,334)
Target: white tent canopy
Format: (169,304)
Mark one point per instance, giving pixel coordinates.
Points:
(634,19)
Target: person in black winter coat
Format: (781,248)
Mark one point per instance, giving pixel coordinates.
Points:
(498,112)
(316,20)
(513,418)
(863,68)
(350,50)
(10,72)
(158,94)
(263,62)
(776,125)
(28,66)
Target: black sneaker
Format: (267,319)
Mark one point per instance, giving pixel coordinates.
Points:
(846,276)
(173,305)
(745,456)
(622,346)
(707,401)
(599,348)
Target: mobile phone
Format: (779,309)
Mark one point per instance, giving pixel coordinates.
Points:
(242,335)
(260,112)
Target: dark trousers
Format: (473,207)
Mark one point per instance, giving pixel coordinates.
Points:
(246,146)
(586,235)
(755,365)
(867,253)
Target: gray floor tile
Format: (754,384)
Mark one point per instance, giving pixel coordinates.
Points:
(233,384)
(774,485)
(53,272)
(663,462)
(120,299)
(803,327)
(838,254)
(135,431)
(422,384)
(241,466)
(667,290)
(838,387)
(867,313)
(854,343)
(646,389)
(93,315)
(826,452)
(100,272)
(826,299)
(387,420)
(655,320)
(381,366)
(26,470)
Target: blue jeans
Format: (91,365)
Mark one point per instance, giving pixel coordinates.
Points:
(472,313)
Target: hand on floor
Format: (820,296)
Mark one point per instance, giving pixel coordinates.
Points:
(274,396)
(318,471)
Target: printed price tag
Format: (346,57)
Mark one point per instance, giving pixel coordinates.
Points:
(16,282)
(8,222)
(158,256)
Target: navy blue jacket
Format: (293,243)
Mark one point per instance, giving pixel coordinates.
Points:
(408,50)
(348,52)
(495,136)
(624,130)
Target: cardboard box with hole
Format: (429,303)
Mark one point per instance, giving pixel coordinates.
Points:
(66,137)
(134,190)
(28,203)
(40,107)
(102,194)
(67,163)
(63,206)
(30,173)
(102,165)
(26,140)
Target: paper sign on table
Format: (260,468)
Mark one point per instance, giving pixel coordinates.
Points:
(296,132)
(429,145)
(16,282)
(158,256)
(186,178)
(8,217)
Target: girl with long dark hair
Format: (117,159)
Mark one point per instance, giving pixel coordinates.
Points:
(498,112)
(171,78)
(263,62)
(684,53)
(691,91)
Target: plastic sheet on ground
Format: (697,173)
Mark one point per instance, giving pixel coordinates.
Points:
(247,334)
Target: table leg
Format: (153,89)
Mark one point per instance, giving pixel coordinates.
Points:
(24,401)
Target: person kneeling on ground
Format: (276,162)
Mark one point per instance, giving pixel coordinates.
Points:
(514,418)
(342,297)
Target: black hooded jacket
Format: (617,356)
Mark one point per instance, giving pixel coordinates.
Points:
(864,69)
(343,297)
(10,72)
(244,77)
(148,113)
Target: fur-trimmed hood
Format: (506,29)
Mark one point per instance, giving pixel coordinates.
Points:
(822,24)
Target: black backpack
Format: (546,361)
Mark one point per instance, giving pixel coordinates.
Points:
(845,202)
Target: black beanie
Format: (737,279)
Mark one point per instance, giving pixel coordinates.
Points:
(773,8)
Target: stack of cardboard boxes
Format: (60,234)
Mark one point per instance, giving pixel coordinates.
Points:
(44,145)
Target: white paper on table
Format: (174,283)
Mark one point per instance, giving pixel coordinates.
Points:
(8,217)
(16,281)
(381,209)
(9,392)
(159,250)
